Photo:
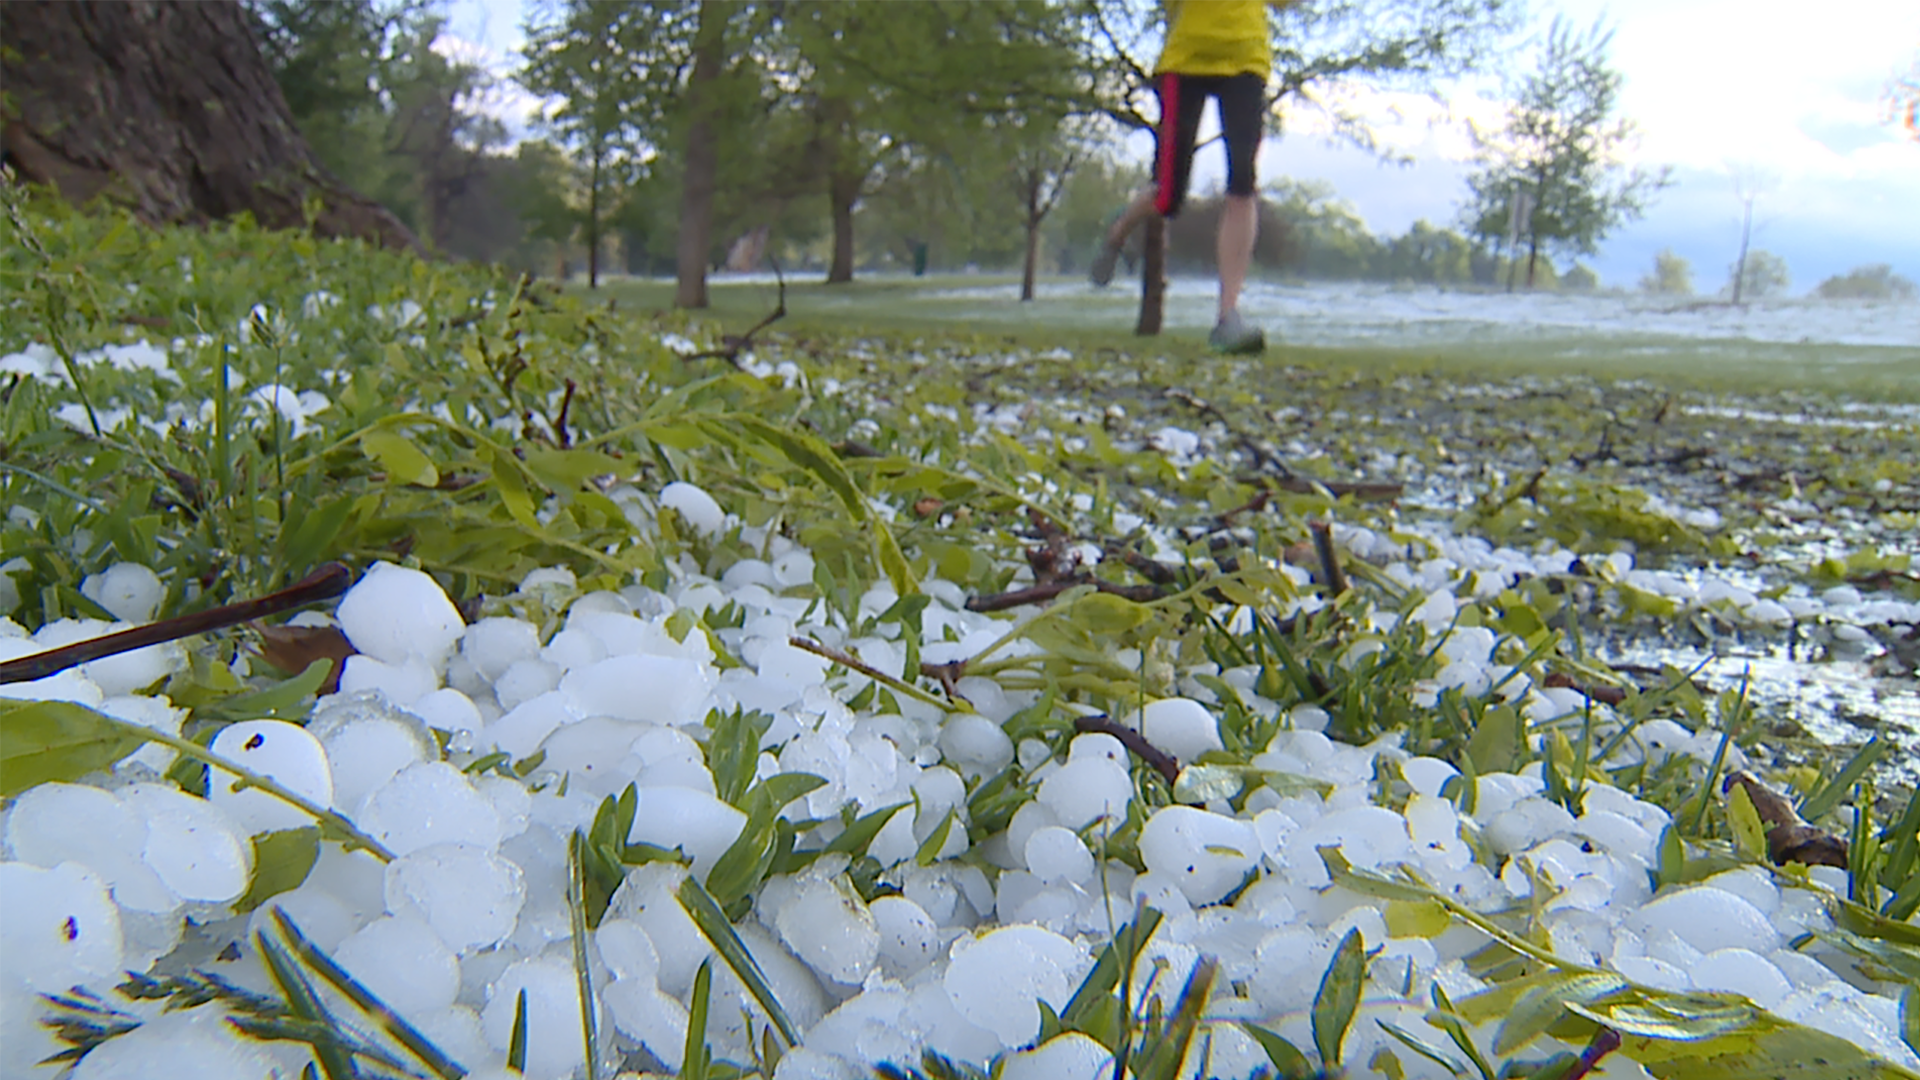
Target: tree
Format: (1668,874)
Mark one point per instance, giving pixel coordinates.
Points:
(1397,44)
(1758,274)
(1580,279)
(1557,156)
(1043,164)
(110,100)
(1873,282)
(1671,275)
(592,59)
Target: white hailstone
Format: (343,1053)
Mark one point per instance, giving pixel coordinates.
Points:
(657,689)
(151,712)
(828,927)
(1527,823)
(649,1016)
(695,507)
(496,644)
(61,930)
(648,897)
(129,591)
(401,960)
(401,683)
(1072,1056)
(997,980)
(805,1063)
(877,1026)
(468,895)
(522,729)
(283,752)
(573,648)
(448,710)
(1086,789)
(1207,854)
(192,1042)
(525,680)
(1708,920)
(426,804)
(1657,974)
(1054,854)
(394,614)
(553,1015)
(797,988)
(627,950)
(909,940)
(975,745)
(1287,968)
(456,1031)
(1180,726)
(1617,833)
(54,823)
(693,821)
(595,754)
(319,914)
(1369,836)
(192,844)
(1742,971)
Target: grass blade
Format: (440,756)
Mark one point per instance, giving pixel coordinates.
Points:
(1829,795)
(577,913)
(517,1042)
(714,926)
(1339,996)
(336,976)
(328,1050)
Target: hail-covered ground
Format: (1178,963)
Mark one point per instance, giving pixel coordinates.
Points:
(889,802)
(963,943)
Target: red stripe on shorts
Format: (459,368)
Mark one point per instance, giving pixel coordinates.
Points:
(1169,137)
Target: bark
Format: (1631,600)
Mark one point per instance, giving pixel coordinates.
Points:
(843,187)
(593,223)
(703,158)
(168,109)
(1153,277)
(1533,259)
(1034,216)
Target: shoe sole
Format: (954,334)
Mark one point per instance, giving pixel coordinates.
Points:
(1101,274)
(1250,345)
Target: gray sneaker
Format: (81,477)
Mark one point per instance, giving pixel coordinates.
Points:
(1232,335)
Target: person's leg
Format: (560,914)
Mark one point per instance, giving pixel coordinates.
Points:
(1242,115)
(1180,106)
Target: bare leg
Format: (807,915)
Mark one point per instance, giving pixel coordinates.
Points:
(1131,218)
(1239,225)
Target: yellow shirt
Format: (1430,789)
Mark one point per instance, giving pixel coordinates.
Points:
(1216,37)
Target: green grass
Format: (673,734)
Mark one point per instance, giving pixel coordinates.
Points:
(1100,321)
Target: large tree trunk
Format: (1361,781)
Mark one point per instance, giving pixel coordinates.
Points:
(843,189)
(170,110)
(703,159)
(1153,277)
(593,221)
(1034,217)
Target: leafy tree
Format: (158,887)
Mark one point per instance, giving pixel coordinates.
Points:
(1078,226)
(1325,236)
(1580,279)
(592,58)
(1671,275)
(1557,156)
(1428,255)
(1873,282)
(1044,161)
(1402,44)
(1762,273)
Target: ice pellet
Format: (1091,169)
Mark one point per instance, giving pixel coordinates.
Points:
(997,981)
(404,963)
(468,895)
(283,752)
(394,614)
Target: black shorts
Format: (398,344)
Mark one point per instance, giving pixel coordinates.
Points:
(1243,104)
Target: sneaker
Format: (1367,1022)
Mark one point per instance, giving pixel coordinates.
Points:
(1232,335)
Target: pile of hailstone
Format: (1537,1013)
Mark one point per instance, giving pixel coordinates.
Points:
(126,872)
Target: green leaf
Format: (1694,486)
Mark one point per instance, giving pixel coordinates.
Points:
(713,925)
(1649,1020)
(1105,613)
(517,1041)
(282,701)
(1338,997)
(1446,1019)
(568,470)
(1287,1059)
(1829,796)
(857,836)
(281,861)
(1424,1048)
(1204,783)
(1749,835)
(733,752)
(1910,1016)
(893,561)
(512,487)
(403,461)
(306,541)
(696,1055)
(45,741)
(1495,744)
(1543,1005)
(929,849)
(1672,859)
(1366,882)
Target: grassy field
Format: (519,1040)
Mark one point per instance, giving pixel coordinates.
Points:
(1095,321)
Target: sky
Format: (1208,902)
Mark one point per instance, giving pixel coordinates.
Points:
(1782,100)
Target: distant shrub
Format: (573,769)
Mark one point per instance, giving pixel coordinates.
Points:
(1874,282)
(1671,275)
(1580,279)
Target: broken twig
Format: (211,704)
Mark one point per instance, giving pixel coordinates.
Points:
(1159,760)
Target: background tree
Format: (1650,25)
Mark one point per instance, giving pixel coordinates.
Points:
(109,99)
(591,59)
(1759,274)
(1874,282)
(1671,275)
(1558,155)
(1047,154)
(1317,45)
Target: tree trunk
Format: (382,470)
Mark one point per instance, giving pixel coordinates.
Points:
(593,221)
(844,190)
(1034,217)
(1740,265)
(170,110)
(1533,258)
(703,158)
(1153,278)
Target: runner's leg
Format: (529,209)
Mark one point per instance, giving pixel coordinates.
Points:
(1242,114)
